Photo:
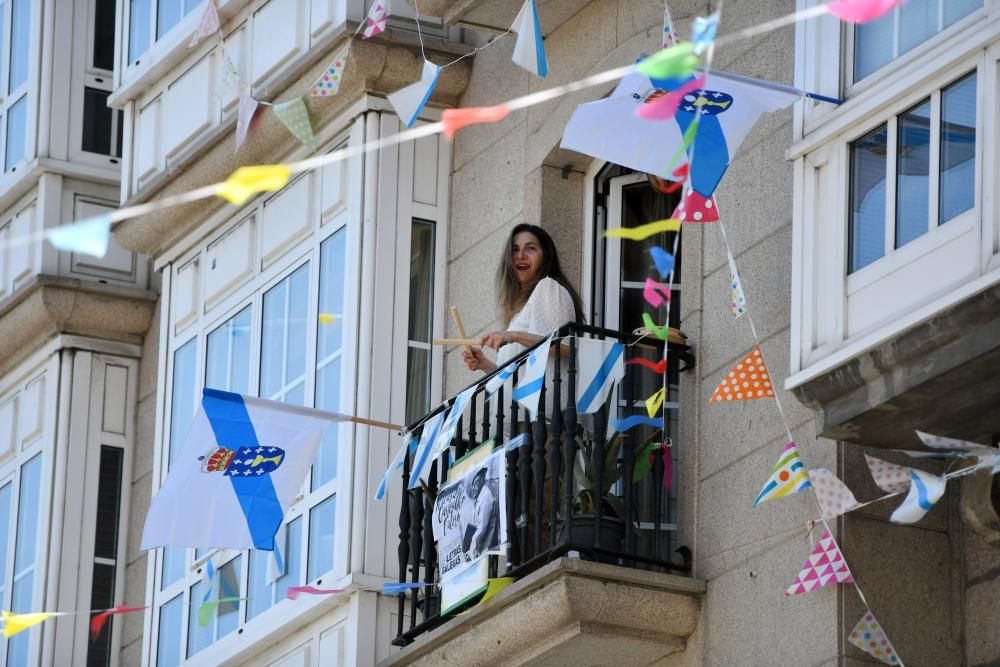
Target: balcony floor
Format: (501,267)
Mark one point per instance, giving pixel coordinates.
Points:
(570,612)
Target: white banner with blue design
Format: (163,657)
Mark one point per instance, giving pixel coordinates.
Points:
(925,490)
(529,388)
(237,473)
(726,109)
(600,366)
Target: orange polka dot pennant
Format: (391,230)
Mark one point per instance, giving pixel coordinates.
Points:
(746,380)
(868,636)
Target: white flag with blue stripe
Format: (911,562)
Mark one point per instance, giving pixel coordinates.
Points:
(600,366)
(409,102)
(925,490)
(422,459)
(394,466)
(494,383)
(529,50)
(529,388)
(239,470)
(443,440)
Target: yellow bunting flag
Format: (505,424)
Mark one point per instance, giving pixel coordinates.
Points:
(643,231)
(15,623)
(494,586)
(654,402)
(248,181)
(746,380)
(327,318)
(659,332)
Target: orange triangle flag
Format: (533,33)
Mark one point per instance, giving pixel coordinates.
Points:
(746,380)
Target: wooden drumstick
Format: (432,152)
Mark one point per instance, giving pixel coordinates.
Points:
(458,326)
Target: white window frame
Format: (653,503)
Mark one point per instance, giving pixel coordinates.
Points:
(24,91)
(86,75)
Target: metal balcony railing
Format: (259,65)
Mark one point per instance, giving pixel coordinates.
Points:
(612,515)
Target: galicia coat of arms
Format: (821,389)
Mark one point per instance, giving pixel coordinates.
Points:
(243,462)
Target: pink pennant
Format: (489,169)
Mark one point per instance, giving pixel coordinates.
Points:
(248,107)
(208,25)
(295,591)
(662,105)
(825,565)
(455,119)
(98,621)
(656,293)
(861,11)
(658,367)
(696,208)
(377,16)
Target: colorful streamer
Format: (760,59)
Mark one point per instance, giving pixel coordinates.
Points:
(654,402)
(98,621)
(294,592)
(659,367)
(861,11)
(664,107)
(658,331)
(248,181)
(630,422)
(455,119)
(663,260)
(644,231)
(656,294)
(676,62)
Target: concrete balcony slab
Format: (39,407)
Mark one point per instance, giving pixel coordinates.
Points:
(498,15)
(570,612)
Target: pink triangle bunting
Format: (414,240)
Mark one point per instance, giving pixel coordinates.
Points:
(209,24)
(825,565)
(377,16)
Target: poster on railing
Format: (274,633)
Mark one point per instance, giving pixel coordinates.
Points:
(469,523)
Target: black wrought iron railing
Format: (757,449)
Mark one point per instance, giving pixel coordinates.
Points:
(568,487)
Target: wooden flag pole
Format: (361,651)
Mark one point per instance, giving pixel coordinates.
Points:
(458,325)
(456,341)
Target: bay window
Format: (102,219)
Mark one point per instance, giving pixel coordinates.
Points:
(147,18)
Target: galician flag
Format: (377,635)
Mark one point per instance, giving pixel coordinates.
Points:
(239,470)
(716,119)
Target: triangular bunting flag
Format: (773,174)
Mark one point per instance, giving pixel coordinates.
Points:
(861,11)
(89,236)
(377,16)
(925,490)
(889,477)
(825,565)
(789,476)
(670,36)
(248,107)
(737,299)
(599,368)
(230,84)
(703,32)
(15,623)
(868,636)
(409,101)
(208,25)
(747,380)
(329,83)
(529,50)
(655,401)
(295,116)
(833,495)
(696,208)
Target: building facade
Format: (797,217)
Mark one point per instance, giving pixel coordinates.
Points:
(866,235)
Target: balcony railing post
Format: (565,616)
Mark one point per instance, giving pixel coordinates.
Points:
(416,543)
(538,472)
(403,550)
(458,442)
(555,444)
(597,454)
(486,419)
(430,552)
(524,488)
(628,461)
(569,443)
(473,440)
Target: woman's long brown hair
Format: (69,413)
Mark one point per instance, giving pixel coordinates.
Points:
(509,293)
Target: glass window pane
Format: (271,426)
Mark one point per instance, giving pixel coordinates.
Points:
(283,343)
(25,544)
(168,642)
(104,34)
(96,122)
(330,330)
(225,616)
(912,173)
(6,494)
(182,397)
(227,360)
(20,36)
(17,127)
(867,214)
(109,486)
(174,561)
(872,45)
(918,20)
(168,14)
(265,589)
(102,597)
(958,148)
(138,31)
(322,519)
(421,280)
(418,383)
(956,9)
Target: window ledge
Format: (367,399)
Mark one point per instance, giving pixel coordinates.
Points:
(570,611)
(901,84)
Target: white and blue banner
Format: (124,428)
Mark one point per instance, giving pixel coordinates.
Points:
(725,110)
(443,440)
(239,470)
(394,466)
(529,50)
(503,375)
(925,490)
(409,101)
(600,366)
(422,459)
(529,388)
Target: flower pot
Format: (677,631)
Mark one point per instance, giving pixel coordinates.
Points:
(583,531)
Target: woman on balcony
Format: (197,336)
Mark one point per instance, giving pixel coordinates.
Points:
(535,298)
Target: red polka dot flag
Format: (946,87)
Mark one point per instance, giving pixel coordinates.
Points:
(747,380)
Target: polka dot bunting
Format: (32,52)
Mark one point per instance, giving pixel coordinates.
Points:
(868,636)
(833,495)
(889,477)
(696,208)
(747,380)
(329,83)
